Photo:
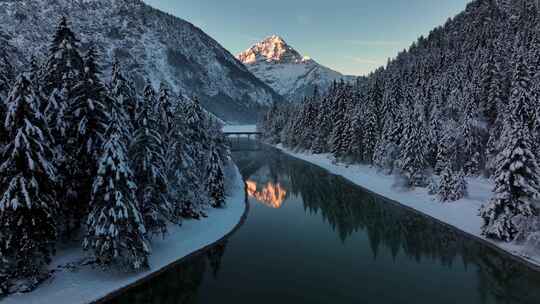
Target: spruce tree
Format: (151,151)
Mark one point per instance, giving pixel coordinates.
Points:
(215,179)
(28,206)
(7,71)
(165,110)
(517,175)
(413,161)
(62,69)
(452,186)
(370,137)
(323,130)
(339,120)
(195,132)
(88,113)
(115,228)
(122,91)
(188,194)
(64,65)
(148,156)
(471,142)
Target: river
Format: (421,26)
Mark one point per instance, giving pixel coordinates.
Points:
(312,237)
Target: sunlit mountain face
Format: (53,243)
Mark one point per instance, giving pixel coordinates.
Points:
(271,195)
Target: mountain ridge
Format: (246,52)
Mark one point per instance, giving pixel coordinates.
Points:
(150,44)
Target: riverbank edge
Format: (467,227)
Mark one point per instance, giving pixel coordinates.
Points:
(327,166)
(238,190)
(165,268)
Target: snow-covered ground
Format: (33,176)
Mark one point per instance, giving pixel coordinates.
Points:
(240,128)
(86,284)
(462,214)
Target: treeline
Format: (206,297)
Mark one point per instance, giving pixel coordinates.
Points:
(81,158)
(463,101)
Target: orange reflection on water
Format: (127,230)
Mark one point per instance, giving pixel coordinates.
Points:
(271,195)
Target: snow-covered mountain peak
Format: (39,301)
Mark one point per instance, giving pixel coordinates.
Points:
(271,49)
(285,70)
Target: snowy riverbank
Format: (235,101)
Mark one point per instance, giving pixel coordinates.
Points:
(85,284)
(462,214)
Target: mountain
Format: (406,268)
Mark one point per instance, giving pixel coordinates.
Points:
(285,70)
(149,44)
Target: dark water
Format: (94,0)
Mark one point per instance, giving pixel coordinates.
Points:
(311,237)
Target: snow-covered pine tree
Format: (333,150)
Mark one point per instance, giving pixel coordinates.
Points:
(189,194)
(196,134)
(517,175)
(115,227)
(341,102)
(452,186)
(370,138)
(148,157)
(122,90)
(28,206)
(458,187)
(6,79)
(387,151)
(355,135)
(308,121)
(88,113)
(215,178)
(62,69)
(64,65)
(471,141)
(435,133)
(412,160)
(7,72)
(165,109)
(323,129)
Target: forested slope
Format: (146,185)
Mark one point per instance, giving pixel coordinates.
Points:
(462,101)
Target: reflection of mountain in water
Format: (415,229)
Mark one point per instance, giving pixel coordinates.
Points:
(272,195)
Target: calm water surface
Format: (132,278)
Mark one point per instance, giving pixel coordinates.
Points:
(311,237)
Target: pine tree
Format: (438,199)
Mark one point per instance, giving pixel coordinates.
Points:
(340,120)
(435,133)
(165,110)
(355,136)
(452,186)
(471,143)
(188,195)
(517,175)
(149,162)
(115,227)
(6,80)
(28,207)
(215,179)
(370,137)
(413,162)
(322,131)
(196,133)
(165,119)
(62,69)
(64,65)
(7,72)
(85,137)
(123,91)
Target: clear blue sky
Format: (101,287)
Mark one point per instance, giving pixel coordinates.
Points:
(350,36)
